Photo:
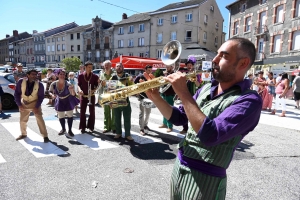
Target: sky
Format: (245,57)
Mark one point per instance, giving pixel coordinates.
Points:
(41,15)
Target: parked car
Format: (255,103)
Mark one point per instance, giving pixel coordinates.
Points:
(97,71)
(2,69)
(7,82)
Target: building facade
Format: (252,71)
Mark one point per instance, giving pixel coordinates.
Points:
(190,22)
(132,35)
(274,28)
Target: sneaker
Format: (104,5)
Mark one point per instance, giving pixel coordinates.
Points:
(129,138)
(62,132)
(163,126)
(71,133)
(46,139)
(142,132)
(117,136)
(169,130)
(21,137)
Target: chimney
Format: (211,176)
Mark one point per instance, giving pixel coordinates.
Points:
(124,16)
(34,31)
(15,33)
(7,36)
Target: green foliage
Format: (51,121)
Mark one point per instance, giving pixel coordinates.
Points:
(158,73)
(71,64)
(44,71)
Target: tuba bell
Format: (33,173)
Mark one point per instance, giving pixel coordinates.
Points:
(170,57)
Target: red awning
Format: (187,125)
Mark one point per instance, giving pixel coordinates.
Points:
(131,62)
(295,72)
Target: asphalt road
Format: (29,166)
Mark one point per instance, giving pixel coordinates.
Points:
(265,166)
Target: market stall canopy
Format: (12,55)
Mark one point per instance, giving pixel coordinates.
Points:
(132,62)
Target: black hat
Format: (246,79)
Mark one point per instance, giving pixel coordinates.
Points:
(31,70)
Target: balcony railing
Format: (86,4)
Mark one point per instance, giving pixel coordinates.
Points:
(106,45)
(261,29)
(97,46)
(88,47)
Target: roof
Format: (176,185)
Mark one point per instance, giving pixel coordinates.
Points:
(180,5)
(231,4)
(58,29)
(134,18)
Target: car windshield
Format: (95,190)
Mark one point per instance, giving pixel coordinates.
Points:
(2,69)
(10,78)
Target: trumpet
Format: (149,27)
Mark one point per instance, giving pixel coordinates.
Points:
(123,93)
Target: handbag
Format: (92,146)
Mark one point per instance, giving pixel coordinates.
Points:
(1,91)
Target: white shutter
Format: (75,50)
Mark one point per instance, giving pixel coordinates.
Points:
(277,43)
(296,40)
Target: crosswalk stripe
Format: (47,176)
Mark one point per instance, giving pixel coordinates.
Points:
(2,160)
(86,139)
(34,142)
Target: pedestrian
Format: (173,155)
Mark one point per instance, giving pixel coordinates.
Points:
(145,109)
(270,87)
(29,95)
(87,85)
(220,115)
(190,84)
(123,106)
(168,96)
(19,73)
(74,81)
(65,100)
(281,90)
(109,115)
(296,90)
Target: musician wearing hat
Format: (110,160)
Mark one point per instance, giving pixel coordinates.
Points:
(29,95)
(19,73)
(87,85)
(145,110)
(190,84)
(124,106)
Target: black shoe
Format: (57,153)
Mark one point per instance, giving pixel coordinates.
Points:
(83,131)
(62,132)
(21,137)
(146,127)
(46,139)
(71,133)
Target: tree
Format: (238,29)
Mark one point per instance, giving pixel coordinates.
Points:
(71,64)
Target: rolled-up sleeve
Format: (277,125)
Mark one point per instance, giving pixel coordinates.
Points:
(238,119)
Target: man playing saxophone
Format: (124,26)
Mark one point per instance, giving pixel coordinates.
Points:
(87,80)
(220,115)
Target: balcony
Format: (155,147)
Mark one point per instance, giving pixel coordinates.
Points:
(260,30)
(97,46)
(106,45)
(260,56)
(88,47)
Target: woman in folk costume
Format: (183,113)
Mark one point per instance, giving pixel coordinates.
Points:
(261,82)
(190,84)
(65,101)
(267,101)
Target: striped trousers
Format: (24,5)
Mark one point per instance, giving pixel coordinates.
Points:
(189,184)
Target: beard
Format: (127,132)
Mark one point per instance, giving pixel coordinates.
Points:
(223,75)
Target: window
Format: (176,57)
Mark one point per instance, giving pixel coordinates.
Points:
(188,35)
(236,28)
(205,19)
(263,1)
(63,38)
(63,47)
(131,29)
(78,47)
(71,36)
(58,39)
(243,7)
(53,48)
(78,35)
(216,40)
(48,40)
(78,57)
(212,8)
(141,27)
(188,17)
(160,21)
(248,24)
(204,36)
(173,35)
(174,19)
(130,42)
(158,53)
(48,48)
(159,38)
(141,54)
(296,40)
(130,54)
(58,47)
(120,43)
(297,14)
(141,41)
(217,26)
(53,39)
(276,47)
(121,30)
(279,14)
(53,58)
(58,58)
(72,47)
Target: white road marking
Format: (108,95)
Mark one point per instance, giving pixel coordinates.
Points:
(2,160)
(86,139)
(34,142)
